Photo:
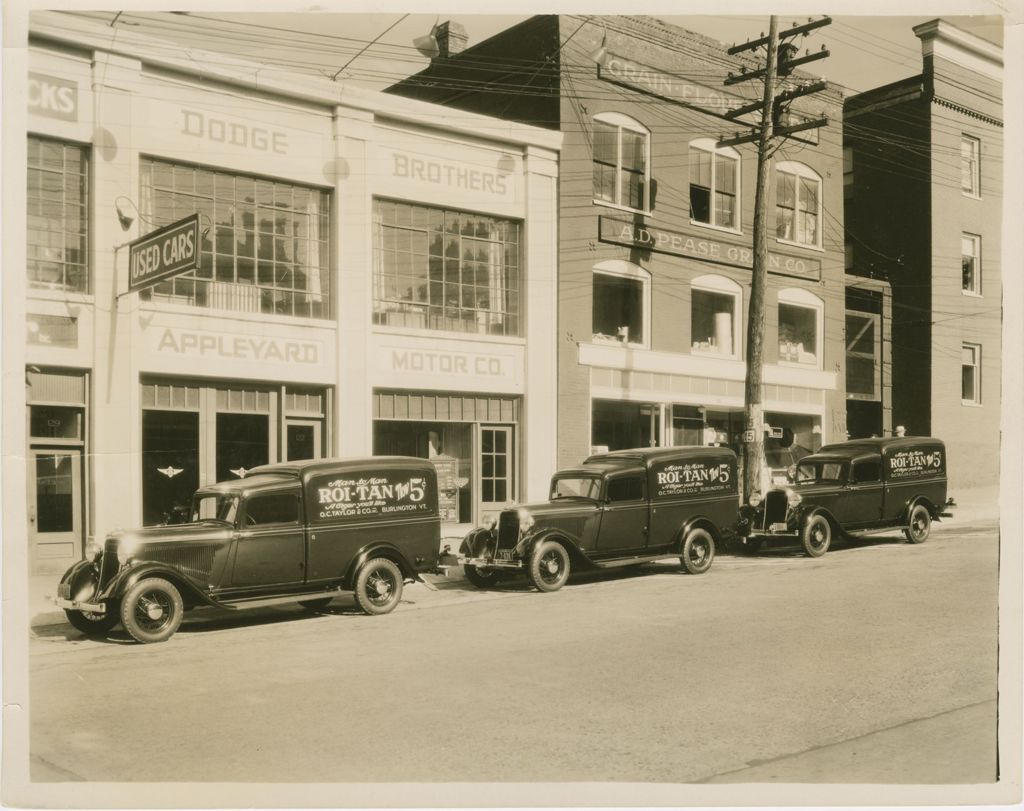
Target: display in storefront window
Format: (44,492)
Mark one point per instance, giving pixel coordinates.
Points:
(713,319)
(265,244)
(58,227)
(620,294)
(798,334)
(445,270)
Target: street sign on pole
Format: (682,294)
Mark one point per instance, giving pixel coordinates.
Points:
(163,253)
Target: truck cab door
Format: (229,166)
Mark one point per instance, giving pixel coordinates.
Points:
(862,501)
(270,545)
(626,515)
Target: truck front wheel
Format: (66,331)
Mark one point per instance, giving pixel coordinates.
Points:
(817,536)
(549,566)
(151,611)
(479,577)
(94,625)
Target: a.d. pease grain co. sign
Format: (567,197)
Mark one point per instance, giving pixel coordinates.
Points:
(163,253)
(622,232)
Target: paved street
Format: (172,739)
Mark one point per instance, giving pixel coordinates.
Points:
(875,663)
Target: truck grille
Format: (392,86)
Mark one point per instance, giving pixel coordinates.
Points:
(108,564)
(775,505)
(508,529)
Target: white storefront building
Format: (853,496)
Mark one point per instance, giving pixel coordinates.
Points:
(376,276)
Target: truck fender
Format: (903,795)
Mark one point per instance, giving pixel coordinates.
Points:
(478,542)
(80,576)
(805,515)
(698,522)
(576,556)
(912,502)
(129,576)
(378,549)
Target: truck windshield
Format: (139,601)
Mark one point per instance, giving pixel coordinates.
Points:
(576,487)
(215,507)
(830,472)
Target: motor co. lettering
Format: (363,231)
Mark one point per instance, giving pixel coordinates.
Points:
(694,477)
(446,363)
(237,347)
(234,133)
(676,244)
(448,174)
(914,463)
(374,495)
(53,97)
(625,71)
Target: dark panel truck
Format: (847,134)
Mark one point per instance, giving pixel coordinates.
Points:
(296,532)
(860,486)
(616,509)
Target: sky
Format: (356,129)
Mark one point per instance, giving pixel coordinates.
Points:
(866,51)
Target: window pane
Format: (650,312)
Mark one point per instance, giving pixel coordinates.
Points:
(798,339)
(634,151)
(56,186)
(618,308)
(605,143)
(711,322)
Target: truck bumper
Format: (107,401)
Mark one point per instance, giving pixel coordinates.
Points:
(453,559)
(76,605)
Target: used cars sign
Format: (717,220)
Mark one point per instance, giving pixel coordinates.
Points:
(163,253)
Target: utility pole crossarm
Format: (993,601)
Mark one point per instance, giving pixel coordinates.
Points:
(807,27)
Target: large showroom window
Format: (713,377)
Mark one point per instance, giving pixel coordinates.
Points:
(445,270)
(265,245)
(621,162)
(57,214)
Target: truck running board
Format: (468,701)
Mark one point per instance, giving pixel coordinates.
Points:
(614,564)
(263,602)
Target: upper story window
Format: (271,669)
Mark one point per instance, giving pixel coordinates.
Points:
(265,246)
(801,326)
(715,316)
(798,204)
(621,310)
(621,162)
(970,250)
(970,165)
(445,270)
(970,374)
(714,184)
(58,226)
(863,356)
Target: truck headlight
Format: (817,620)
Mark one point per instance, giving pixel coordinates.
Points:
(125,551)
(793,498)
(93,551)
(491,523)
(754,500)
(525,520)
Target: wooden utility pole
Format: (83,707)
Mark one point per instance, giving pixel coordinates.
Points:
(778,60)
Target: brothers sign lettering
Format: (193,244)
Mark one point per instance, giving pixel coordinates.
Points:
(163,253)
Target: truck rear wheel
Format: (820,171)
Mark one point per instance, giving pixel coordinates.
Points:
(698,551)
(817,536)
(549,566)
(919,525)
(379,586)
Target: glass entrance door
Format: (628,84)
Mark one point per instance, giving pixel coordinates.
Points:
(243,442)
(496,463)
(170,465)
(55,508)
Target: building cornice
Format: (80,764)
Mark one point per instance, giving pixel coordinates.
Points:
(966,111)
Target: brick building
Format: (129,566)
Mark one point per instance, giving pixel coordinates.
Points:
(655,231)
(924,160)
